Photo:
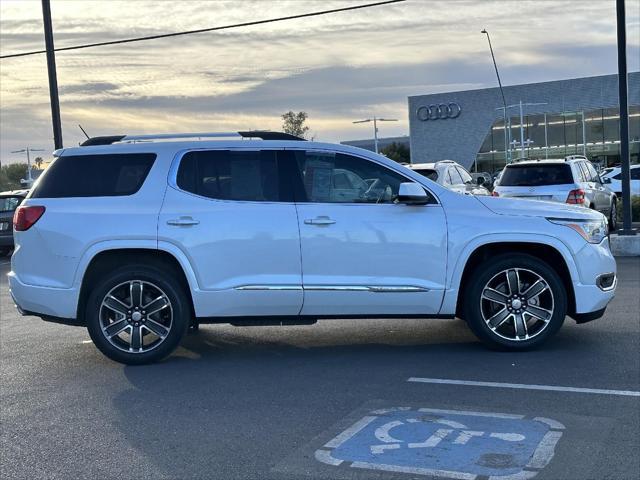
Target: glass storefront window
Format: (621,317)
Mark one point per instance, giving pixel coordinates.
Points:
(594,132)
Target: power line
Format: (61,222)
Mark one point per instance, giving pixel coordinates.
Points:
(202,30)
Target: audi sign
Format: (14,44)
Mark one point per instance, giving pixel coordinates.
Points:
(440,111)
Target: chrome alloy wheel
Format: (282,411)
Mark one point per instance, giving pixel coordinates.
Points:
(517,304)
(136,316)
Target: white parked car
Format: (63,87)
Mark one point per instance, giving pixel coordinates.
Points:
(140,240)
(572,180)
(451,175)
(613,180)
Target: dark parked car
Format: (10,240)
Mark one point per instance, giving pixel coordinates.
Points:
(9,201)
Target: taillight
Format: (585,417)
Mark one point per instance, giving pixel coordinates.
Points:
(495,194)
(26,216)
(576,196)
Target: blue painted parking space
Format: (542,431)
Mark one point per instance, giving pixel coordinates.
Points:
(446,443)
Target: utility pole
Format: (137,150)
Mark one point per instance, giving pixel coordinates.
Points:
(624,120)
(53,80)
(504,101)
(375,127)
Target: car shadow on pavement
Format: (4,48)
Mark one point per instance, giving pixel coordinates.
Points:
(239,399)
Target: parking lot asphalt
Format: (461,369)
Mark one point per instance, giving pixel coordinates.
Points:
(258,402)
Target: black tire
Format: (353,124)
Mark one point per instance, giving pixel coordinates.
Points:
(4,251)
(474,305)
(150,276)
(613,216)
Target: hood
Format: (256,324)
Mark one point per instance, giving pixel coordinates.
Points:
(537,208)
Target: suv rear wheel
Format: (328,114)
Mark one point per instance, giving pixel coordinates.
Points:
(137,314)
(515,301)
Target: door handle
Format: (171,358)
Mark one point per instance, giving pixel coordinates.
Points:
(322,220)
(182,222)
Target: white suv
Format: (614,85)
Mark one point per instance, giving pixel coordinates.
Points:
(139,240)
(451,175)
(572,180)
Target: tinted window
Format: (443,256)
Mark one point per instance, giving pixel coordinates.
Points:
(9,204)
(94,175)
(535,175)
(430,174)
(230,175)
(338,178)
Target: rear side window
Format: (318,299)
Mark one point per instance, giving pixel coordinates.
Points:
(536,175)
(9,204)
(231,175)
(111,175)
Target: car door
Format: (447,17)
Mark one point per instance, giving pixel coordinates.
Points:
(228,211)
(367,254)
(600,193)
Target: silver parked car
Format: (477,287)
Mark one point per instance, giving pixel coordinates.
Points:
(571,180)
(451,175)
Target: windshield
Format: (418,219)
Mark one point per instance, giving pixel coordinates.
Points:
(9,204)
(536,175)
(430,174)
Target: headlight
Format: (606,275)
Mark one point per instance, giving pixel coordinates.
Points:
(593,231)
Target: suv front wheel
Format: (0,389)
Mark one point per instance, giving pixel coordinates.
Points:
(515,301)
(137,314)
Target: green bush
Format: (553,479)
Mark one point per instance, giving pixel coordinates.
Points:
(635,209)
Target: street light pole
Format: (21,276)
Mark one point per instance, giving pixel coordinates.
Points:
(51,69)
(375,121)
(504,101)
(29,178)
(624,120)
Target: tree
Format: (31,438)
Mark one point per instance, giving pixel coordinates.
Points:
(398,152)
(38,161)
(293,123)
(10,176)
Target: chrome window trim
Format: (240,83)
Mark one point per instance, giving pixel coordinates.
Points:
(334,288)
(172,177)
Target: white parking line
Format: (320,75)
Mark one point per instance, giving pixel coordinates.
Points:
(521,386)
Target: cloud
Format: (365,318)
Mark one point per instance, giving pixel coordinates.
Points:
(337,67)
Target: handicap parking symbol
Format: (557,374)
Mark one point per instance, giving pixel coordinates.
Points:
(446,443)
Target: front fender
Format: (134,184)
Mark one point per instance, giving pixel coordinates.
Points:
(464,252)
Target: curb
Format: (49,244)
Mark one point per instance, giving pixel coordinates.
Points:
(625,246)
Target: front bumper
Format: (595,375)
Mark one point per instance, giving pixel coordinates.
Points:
(43,301)
(594,262)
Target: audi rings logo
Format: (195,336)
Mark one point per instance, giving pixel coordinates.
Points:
(440,111)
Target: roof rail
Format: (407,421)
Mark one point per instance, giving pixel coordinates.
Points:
(262,134)
(445,161)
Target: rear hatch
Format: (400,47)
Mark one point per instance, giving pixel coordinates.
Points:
(537,181)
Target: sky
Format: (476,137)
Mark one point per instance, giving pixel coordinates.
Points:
(338,68)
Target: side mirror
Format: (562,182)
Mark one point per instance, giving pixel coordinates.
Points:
(412,194)
(480,181)
(606,181)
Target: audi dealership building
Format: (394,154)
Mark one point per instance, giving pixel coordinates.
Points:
(564,117)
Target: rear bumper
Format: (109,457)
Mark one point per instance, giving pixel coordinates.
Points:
(6,240)
(43,301)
